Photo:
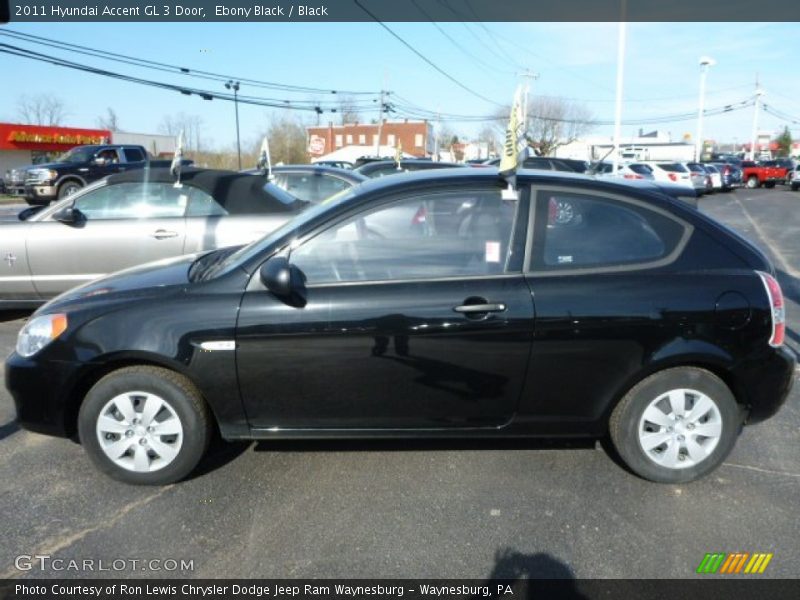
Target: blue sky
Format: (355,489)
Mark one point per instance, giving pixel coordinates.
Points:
(575,60)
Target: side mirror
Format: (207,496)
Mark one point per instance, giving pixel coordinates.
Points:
(284,280)
(68,215)
(26,214)
(276,275)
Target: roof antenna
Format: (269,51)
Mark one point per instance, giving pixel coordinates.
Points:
(264,162)
(515,145)
(177,160)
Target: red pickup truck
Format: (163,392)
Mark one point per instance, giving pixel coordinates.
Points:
(767,173)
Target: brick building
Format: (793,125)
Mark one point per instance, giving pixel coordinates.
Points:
(416,137)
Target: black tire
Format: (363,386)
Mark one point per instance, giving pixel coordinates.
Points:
(626,417)
(181,395)
(752,182)
(769,185)
(68,188)
(795,187)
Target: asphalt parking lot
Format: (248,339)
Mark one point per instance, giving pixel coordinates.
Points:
(422,509)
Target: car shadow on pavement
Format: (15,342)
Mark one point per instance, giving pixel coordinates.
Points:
(219,454)
(8,429)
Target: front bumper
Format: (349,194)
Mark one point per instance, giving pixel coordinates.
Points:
(40,192)
(41,393)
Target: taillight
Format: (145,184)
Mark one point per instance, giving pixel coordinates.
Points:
(672,176)
(777,309)
(727,170)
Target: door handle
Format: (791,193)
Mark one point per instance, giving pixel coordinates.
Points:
(480,308)
(162,234)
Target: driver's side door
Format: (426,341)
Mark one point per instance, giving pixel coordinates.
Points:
(390,334)
(119,226)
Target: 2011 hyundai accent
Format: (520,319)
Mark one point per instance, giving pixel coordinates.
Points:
(432,304)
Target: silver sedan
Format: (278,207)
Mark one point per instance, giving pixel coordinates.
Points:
(130,219)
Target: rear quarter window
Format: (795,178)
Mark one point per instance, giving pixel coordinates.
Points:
(578,231)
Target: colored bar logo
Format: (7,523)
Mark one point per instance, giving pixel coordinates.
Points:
(737,563)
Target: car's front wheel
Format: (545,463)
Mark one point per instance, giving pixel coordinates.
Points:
(68,188)
(144,425)
(676,425)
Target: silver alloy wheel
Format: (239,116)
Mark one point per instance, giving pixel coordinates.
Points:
(139,431)
(680,429)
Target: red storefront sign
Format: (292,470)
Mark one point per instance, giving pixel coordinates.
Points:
(49,139)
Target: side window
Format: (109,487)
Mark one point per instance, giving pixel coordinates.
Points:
(448,234)
(202,204)
(133,155)
(328,185)
(134,201)
(584,231)
(301,186)
(109,155)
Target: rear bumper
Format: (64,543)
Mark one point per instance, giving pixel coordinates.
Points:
(768,383)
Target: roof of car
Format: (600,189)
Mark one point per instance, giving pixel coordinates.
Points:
(490,174)
(349,174)
(235,191)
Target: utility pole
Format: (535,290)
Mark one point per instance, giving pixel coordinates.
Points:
(705,63)
(234,85)
(380,126)
(757,105)
(620,73)
(530,76)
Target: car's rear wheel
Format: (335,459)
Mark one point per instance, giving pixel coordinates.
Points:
(68,188)
(769,184)
(676,425)
(144,425)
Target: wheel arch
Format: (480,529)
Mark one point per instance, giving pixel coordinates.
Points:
(95,371)
(714,363)
(70,177)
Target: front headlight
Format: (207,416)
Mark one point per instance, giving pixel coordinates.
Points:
(40,331)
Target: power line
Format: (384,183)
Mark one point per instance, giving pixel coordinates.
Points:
(175,69)
(186,90)
(425,58)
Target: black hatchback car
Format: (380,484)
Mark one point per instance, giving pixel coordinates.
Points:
(428,304)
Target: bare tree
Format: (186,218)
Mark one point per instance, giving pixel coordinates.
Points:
(42,109)
(488,136)
(190,125)
(552,122)
(109,120)
(287,140)
(348,110)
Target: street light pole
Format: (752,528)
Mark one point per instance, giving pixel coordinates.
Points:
(234,85)
(620,78)
(754,136)
(705,63)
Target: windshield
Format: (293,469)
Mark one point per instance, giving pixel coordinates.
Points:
(255,248)
(77,155)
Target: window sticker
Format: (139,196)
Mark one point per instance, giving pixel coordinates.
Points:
(492,252)
(563,260)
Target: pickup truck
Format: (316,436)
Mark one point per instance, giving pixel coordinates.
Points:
(77,168)
(767,174)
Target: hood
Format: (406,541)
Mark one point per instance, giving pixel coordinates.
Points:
(143,281)
(52,165)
